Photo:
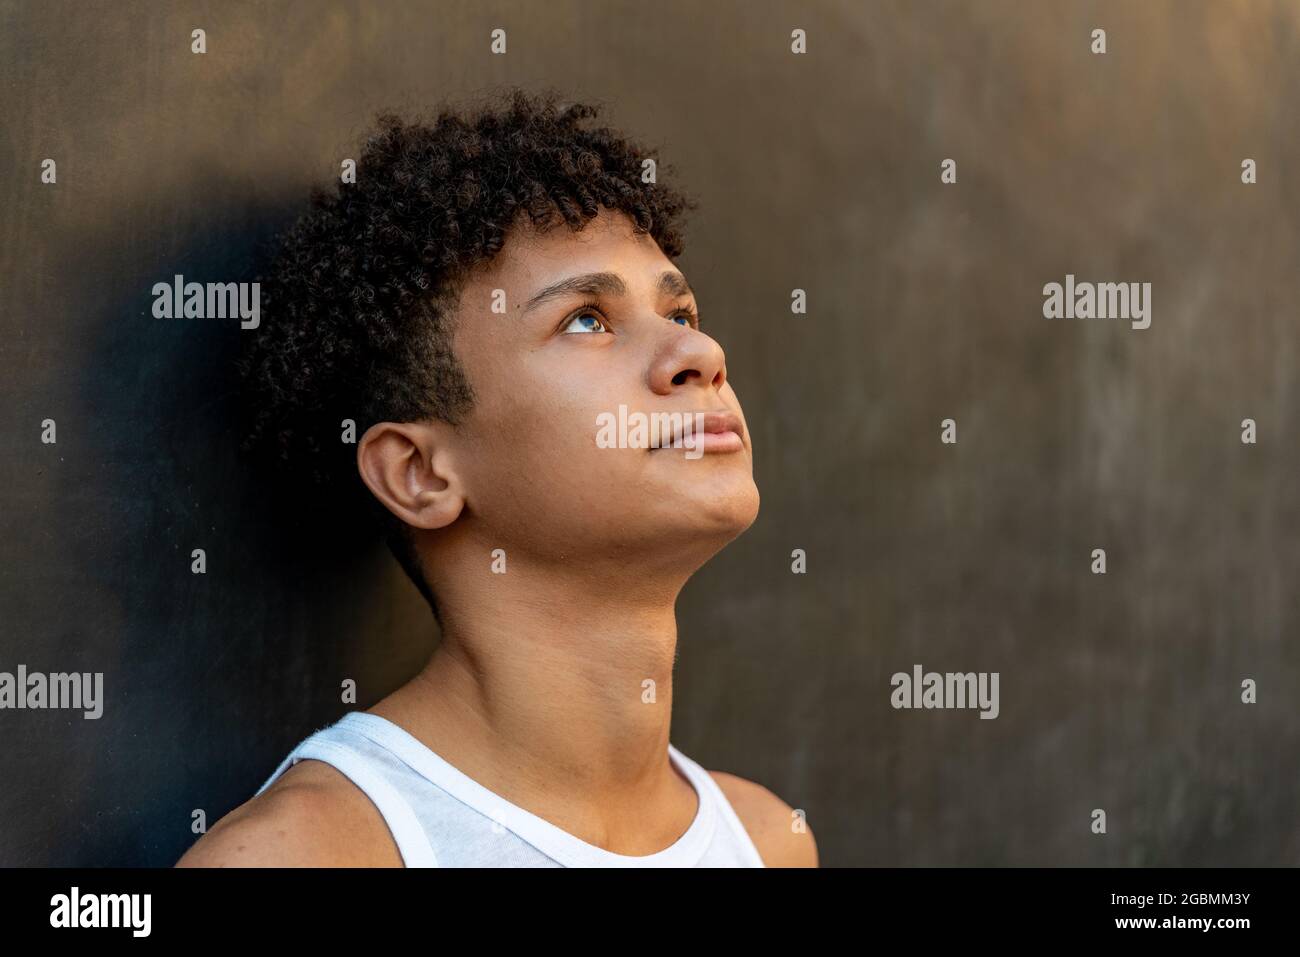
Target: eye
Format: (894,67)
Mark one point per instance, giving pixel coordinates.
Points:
(685,317)
(585,321)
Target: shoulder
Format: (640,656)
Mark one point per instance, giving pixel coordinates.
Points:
(770,823)
(312,816)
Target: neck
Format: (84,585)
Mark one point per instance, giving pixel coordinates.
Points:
(541,691)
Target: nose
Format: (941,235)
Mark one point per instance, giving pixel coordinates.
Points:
(687,356)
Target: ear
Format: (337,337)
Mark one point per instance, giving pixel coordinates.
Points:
(408,467)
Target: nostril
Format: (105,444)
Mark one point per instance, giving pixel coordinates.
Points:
(681,377)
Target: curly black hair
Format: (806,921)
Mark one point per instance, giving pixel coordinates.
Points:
(359,296)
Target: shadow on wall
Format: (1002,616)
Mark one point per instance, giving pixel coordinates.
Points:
(213,670)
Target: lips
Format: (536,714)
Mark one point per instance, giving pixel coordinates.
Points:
(718,431)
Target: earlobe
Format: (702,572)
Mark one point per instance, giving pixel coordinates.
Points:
(408,467)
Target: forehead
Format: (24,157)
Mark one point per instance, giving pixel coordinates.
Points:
(531,259)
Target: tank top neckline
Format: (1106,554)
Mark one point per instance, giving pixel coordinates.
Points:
(550,839)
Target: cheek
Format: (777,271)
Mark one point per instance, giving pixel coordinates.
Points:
(551,410)
(534,456)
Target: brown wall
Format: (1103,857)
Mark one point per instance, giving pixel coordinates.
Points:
(819,172)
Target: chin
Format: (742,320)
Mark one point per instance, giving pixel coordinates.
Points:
(723,510)
(685,531)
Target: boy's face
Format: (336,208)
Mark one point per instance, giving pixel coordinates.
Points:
(532,471)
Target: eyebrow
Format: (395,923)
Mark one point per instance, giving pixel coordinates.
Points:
(605,284)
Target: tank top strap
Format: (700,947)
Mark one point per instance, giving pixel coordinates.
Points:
(710,790)
(410,837)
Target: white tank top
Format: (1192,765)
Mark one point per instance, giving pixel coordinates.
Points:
(439,817)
